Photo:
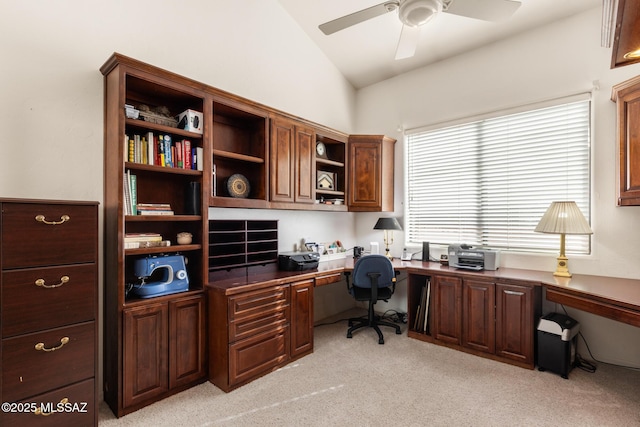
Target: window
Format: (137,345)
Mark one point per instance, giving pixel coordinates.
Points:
(488,182)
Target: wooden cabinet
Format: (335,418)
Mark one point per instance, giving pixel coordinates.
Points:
(478,315)
(490,318)
(164,347)
(136,348)
(257,328)
(371,165)
(301,318)
(517,310)
(292,167)
(627,98)
(49,310)
(447,300)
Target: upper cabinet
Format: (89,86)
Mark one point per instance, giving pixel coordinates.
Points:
(626,43)
(627,97)
(292,166)
(371,160)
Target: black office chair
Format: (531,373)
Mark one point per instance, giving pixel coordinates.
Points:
(373,280)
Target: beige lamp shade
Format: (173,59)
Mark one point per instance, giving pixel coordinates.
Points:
(563,218)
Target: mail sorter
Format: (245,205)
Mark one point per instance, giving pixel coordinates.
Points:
(160,275)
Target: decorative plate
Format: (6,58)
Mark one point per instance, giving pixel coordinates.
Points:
(238,186)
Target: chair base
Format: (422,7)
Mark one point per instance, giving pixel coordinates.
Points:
(356,323)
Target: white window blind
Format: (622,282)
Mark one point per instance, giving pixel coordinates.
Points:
(488,182)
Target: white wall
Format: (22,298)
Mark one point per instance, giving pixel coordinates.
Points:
(52,90)
(558,60)
(51,103)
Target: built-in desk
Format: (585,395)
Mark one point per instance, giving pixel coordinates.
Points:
(260,322)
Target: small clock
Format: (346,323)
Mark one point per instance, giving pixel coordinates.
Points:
(321,150)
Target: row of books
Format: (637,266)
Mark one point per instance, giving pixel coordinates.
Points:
(144,240)
(421,322)
(162,150)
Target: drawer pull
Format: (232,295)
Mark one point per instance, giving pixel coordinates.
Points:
(63,219)
(63,341)
(63,280)
(38,411)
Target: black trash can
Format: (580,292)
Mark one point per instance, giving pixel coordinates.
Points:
(557,341)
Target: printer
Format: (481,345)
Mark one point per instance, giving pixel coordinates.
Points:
(470,258)
(297,261)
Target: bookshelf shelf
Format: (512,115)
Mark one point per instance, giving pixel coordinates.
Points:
(141,125)
(161,169)
(238,156)
(162,250)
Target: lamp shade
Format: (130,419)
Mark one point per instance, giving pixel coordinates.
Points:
(563,218)
(387,224)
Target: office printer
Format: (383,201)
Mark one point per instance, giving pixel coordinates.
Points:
(470,258)
(296,261)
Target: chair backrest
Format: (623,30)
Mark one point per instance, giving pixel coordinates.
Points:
(373,264)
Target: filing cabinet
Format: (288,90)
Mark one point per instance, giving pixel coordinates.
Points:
(49,305)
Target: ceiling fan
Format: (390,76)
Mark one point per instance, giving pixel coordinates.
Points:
(415,13)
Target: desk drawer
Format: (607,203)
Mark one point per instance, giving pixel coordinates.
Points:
(328,279)
(54,240)
(259,303)
(27,371)
(248,326)
(66,295)
(257,355)
(79,411)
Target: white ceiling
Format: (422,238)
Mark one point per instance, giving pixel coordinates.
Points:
(365,52)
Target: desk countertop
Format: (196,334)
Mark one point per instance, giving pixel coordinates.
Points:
(618,292)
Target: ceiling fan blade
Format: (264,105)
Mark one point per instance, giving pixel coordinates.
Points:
(486,10)
(358,17)
(408,42)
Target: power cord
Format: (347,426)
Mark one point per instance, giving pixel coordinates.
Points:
(586,365)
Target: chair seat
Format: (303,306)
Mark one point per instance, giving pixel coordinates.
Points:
(364,294)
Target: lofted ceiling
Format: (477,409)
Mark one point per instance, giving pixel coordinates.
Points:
(365,52)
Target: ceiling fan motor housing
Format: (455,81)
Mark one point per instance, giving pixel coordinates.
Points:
(418,12)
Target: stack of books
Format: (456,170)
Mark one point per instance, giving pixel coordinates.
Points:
(154,209)
(144,240)
(421,322)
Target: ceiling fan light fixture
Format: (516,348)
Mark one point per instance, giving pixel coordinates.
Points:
(418,12)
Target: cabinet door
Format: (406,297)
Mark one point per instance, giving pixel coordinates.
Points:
(282,164)
(186,340)
(514,322)
(478,315)
(305,144)
(447,309)
(301,318)
(627,96)
(371,164)
(145,353)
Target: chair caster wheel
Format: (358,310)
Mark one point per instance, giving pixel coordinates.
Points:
(380,341)
(349,335)
(398,332)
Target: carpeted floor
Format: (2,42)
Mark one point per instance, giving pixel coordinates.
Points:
(405,382)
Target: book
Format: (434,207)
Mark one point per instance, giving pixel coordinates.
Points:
(426,308)
(133,191)
(151,154)
(154,212)
(200,158)
(167,151)
(187,153)
(127,195)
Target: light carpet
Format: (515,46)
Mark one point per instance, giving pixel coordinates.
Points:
(405,382)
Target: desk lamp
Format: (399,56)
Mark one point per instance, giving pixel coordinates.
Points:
(388,225)
(563,218)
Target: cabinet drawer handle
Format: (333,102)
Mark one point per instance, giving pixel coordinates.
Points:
(63,219)
(38,411)
(63,280)
(63,341)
